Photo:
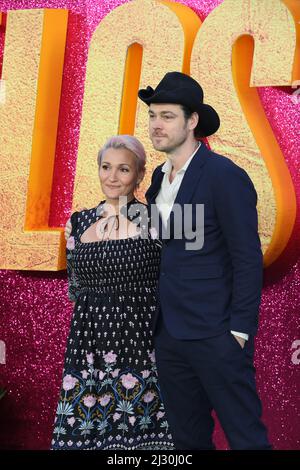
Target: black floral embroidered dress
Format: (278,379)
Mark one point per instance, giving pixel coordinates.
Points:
(110,397)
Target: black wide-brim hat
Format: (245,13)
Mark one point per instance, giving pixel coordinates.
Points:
(179,88)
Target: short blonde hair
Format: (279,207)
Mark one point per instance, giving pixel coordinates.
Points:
(128,142)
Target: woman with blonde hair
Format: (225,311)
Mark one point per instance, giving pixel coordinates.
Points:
(110,397)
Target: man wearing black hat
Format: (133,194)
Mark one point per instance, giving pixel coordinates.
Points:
(209,297)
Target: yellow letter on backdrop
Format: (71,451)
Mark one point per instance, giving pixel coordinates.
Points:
(223,67)
(155,33)
(32,71)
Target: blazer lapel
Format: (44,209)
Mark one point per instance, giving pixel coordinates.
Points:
(191,176)
(184,195)
(155,187)
(189,184)
(156,221)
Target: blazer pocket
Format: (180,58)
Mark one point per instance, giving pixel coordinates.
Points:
(210,271)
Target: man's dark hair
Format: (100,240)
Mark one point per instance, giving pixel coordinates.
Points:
(187,114)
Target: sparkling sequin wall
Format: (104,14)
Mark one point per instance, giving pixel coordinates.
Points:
(35,313)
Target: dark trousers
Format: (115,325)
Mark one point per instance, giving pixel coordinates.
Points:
(198,376)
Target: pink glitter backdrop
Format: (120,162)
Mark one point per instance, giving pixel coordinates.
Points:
(35,312)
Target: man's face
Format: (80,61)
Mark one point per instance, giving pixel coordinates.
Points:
(168,128)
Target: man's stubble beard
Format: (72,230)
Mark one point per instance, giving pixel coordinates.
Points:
(170,148)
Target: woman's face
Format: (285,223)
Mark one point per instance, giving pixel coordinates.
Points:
(118,173)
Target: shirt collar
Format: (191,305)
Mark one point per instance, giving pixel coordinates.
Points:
(167,166)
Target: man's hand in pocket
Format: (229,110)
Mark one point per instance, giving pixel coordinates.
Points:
(240,340)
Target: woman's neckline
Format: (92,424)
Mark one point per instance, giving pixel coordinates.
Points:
(111,240)
(99,214)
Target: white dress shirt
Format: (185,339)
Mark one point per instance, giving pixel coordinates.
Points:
(167,195)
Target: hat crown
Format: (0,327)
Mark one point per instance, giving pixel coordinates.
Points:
(175,80)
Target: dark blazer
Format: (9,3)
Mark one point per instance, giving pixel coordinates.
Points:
(217,287)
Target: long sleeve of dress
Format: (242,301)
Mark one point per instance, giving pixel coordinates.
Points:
(73,282)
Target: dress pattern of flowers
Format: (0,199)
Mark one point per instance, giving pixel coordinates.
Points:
(110,396)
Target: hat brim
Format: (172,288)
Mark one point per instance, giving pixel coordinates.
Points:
(146,94)
(209,120)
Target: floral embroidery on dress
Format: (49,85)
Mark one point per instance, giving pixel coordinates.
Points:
(96,399)
(110,396)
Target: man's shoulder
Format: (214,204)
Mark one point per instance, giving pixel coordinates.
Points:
(226,174)
(221,165)
(216,160)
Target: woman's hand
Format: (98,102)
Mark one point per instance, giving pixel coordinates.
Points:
(68,229)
